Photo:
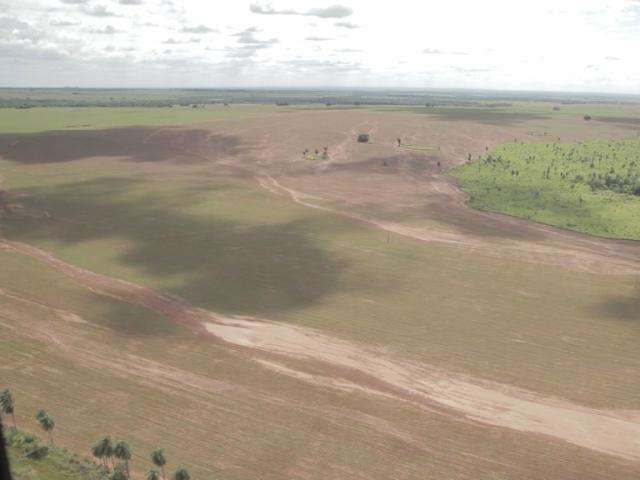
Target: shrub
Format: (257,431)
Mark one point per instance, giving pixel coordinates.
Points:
(36,451)
(363,137)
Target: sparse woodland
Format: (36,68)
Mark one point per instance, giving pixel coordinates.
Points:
(591,186)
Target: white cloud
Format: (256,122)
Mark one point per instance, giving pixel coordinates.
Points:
(332,11)
(460,43)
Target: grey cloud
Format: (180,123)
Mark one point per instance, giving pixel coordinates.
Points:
(108,30)
(432,51)
(24,52)
(247,37)
(612,58)
(199,29)
(16,29)
(334,11)
(12,23)
(324,65)
(348,25)
(98,11)
(173,41)
(74,2)
(318,39)
(130,2)
(63,23)
(470,71)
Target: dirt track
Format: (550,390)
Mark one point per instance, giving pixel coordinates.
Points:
(561,248)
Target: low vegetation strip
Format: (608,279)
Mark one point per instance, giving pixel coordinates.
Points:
(592,186)
(31,459)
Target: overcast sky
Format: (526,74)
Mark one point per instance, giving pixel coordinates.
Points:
(571,45)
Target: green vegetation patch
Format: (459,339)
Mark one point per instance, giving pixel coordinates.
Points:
(53,464)
(56,118)
(592,186)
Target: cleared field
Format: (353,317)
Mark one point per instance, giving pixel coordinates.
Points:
(592,187)
(404,321)
(43,119)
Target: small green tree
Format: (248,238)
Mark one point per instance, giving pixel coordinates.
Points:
(7,406)
(181,474)
(98,452)
(122,451)
(159,460)
(118,473)
(153,475)
(104,450)
(47,423)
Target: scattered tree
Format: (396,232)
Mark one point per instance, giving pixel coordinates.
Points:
(363,137)
(118,473)
(7,406)
(122,451)
(181,474)
(98,452)
(105,447)
(159,460)
(153,475)
(47,423)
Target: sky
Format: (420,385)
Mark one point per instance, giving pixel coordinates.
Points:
(559,45)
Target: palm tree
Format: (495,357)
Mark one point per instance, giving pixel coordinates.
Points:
(106,446)
(159,460)
(123,452)
(153,475)
(181,474)
(118,473)
(7,406)
(98,452)
(47,423)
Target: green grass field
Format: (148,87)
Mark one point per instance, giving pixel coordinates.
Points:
(592,187)
(58,464)
(57,118)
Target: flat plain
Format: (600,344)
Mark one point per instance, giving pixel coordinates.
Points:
(189,279)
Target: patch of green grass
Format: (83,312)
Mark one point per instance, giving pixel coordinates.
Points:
(84,118)
(58,464)
(592,187)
